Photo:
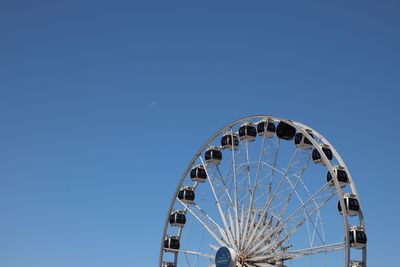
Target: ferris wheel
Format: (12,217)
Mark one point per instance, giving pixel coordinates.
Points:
(263,192)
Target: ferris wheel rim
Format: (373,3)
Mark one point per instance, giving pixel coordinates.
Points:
(302,128)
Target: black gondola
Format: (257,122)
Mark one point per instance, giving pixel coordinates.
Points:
(167,264)
(226,141)
(213,155)
(301,141)
(351,203)
(341,175)
(285,131)
(358,238)
(177,218)
(317,157)
(186,195)
(247,131)
(266,128)
(171,242)
(198,174)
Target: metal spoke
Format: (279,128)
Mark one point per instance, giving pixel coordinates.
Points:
(293,187)
(243,223)
(252,194)
(301,252)
(225,188)
(209,224)
(230,238)
(275,157)
(265,212)
(256,248)
(192,253)
(235,195)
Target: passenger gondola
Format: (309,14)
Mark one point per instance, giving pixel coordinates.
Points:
(351,203)
(186,195)
(285,131)
(167,264)
(358,238)
(229,141)
(213,155)
(248,132)
(266,127)
(198,174)
(341,175)
(171,242)
(301,141)
(317,157)
(177,218)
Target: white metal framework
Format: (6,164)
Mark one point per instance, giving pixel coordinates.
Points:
(267,199)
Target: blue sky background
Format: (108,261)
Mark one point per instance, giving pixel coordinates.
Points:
(103,104)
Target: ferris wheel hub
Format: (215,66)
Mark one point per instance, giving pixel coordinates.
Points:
(226,257)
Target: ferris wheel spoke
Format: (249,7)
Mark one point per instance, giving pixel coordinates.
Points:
(313,232)
(252,194)
(229,237)
(269,191)
(191,252)
(301,252)
(235,193)
(265,211)
(312,198)
(219,185)
(209,224)
(276,242)
(295,215)
(214,247)
(319,217)
(306,211)
(241,222)
(244,222)
(231,226)
(224,184)
(273,168)
(322,228)
(284,173)
(314,250)
(293,185)
(289,221)
(247,164)
(273,149)
(309,220)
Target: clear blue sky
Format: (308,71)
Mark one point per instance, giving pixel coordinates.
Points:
(103,104)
